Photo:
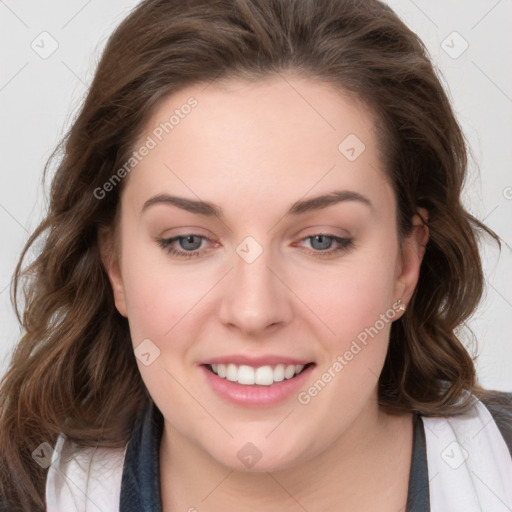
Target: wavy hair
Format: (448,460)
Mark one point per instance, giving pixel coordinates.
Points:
(74,370)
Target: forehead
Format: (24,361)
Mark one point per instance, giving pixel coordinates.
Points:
(281,137)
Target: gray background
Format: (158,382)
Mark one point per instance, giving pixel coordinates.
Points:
(40,94)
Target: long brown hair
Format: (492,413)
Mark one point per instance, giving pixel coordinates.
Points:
(74,370)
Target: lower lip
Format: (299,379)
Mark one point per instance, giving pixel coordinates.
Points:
(255,395)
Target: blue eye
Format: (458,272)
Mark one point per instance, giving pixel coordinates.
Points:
(324,241)
(190,244)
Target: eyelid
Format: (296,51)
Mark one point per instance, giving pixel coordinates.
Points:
(321,229)
(184,231)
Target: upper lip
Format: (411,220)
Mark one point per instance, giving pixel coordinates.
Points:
(256,362)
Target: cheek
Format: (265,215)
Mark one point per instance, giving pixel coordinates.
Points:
(357,308)
(157,294)
(349,298)
(160,300)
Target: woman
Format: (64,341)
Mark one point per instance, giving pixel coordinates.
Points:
(255,263)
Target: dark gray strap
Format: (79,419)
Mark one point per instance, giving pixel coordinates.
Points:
(418,499)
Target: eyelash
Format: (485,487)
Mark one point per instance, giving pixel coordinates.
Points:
(166,243)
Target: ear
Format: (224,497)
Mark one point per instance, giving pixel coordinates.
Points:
(411,255)
(111,261)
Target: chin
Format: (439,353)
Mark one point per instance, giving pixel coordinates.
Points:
(258,456)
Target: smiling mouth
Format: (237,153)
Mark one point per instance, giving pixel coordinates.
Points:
(261,376)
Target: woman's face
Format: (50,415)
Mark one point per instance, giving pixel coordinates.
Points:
(258,237)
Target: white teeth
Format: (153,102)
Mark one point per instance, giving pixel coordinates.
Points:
(279,373)
(289,371)
(245,375)
(263,376)
(232,373)
(221,370)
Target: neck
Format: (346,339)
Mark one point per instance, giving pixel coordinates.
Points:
(365,468)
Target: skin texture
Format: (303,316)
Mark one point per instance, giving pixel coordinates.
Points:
(254,149)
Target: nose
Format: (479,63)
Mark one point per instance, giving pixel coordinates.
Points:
(255,299)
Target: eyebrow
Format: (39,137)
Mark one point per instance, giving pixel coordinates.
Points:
(299,207)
